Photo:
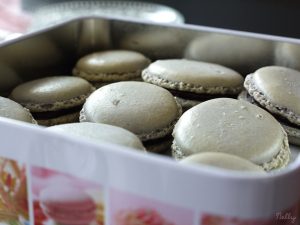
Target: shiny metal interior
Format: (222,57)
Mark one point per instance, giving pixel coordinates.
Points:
(54,51)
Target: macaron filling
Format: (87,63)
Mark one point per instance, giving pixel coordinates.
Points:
(57,113)
(159,145)
(197,97)
(106,77)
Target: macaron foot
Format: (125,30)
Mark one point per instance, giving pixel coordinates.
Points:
(282,159)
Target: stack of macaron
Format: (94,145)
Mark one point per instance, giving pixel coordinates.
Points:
(221,131)
(193,82)
(104,67)
(233,127)
(145,109)
(277,89)
(53,100)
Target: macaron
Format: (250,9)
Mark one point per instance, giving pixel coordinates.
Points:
(100,133)
(145,109)
(287,55)
(223,161)
(235,127)
(53,100)
(192,82)
(67,205)
(155,43)
(101,68)
(13,110)
(239,53)
(277,89)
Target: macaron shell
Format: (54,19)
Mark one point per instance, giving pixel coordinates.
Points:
(234,127)
(222,160)
(100,133)
(280,85)
(188,75)
(14,110)
(111,62)
(52,93)
(146,110)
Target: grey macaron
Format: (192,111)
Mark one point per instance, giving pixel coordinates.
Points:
(192,81)
(234,127)
(104,67)
(53,100)
(277,89)
(13,110)
(147,110)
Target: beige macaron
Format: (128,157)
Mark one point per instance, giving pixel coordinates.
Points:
(192,81)
(277,89)
(53,100)
(223,161)
(110,66)
(100,133)
(147,110)
(234,127)
(14,110)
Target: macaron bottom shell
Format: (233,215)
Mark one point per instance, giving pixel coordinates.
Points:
(223,161)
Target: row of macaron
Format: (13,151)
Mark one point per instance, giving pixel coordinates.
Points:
(150,111)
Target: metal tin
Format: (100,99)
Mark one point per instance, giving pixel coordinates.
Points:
(54,51)
(60,12)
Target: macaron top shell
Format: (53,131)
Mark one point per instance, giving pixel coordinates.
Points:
(100,133)
(147,110)
(52,92)
(113,61)
(195,73)
(231,126)
(14,110)
(222,160)
(280,85)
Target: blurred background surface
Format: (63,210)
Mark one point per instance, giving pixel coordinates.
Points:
(275,17)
